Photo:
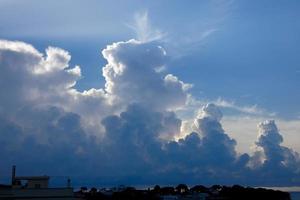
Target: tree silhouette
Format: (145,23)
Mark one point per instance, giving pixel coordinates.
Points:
(182,188)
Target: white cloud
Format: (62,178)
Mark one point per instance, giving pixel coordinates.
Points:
(131,76)
(244,130)
(276,159)
(29,78)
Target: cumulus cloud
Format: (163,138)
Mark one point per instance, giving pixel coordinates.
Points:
(34,76)
(209,147)
(215,139)
(47,137)
(131,76)
(126,130)
(277,161)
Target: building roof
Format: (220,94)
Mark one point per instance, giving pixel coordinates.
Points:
(32,178)
(4,186)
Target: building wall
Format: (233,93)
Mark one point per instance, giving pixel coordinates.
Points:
(37,184)
(38,194)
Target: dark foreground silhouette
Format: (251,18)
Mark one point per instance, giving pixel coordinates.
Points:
(182,192)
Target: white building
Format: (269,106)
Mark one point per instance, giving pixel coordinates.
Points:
(34,187)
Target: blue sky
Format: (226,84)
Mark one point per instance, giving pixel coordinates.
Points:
(240,55)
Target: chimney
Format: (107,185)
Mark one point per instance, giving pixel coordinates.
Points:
(69,183)
(13,175)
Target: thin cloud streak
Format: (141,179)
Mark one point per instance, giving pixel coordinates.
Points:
(143,29)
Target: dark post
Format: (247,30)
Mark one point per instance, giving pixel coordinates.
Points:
(69,183)
(13,175)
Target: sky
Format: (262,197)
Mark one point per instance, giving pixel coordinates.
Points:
(152,91)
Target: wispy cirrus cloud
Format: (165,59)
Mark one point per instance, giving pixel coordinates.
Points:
(189,37)
(234,108)
(143,28)
(247,109)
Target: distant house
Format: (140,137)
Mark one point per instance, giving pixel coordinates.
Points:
(34,187)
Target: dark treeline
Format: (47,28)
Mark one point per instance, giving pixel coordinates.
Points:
(182,192)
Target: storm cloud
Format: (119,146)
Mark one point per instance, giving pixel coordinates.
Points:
(126,130)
